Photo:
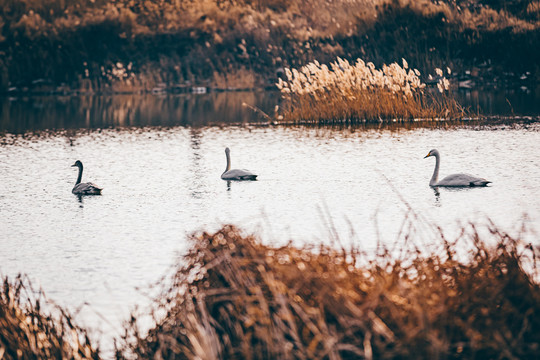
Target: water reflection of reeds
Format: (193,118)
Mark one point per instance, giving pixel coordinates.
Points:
(74,113)
(344,127)
(92,112)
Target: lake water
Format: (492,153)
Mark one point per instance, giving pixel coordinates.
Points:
(159,160)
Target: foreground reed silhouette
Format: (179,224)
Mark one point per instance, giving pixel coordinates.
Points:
(31,327)
(233,297)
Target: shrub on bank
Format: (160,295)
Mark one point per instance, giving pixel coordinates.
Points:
(234,297)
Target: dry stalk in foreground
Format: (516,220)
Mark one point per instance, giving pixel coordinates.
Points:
(29,332)
(233,297)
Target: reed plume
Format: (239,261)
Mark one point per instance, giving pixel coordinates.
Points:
(361,92)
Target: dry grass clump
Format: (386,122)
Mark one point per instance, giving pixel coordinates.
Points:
(27,331)
(359,91)
(236,298)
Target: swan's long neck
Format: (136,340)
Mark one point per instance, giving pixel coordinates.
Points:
(79,178)
(435,177)
(228,162)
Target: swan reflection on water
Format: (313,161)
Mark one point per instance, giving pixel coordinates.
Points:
(80,200)
(437,196)
(448,189)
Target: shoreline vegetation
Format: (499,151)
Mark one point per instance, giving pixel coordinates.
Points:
(360,92)
(33,327)
(123,46)
(476,296)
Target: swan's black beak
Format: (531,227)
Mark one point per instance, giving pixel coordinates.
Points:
(73,165)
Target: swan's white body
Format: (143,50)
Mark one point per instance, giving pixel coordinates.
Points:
(236,174)
(84,188)
(454,180)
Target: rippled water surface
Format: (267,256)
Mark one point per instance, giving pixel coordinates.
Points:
(161,181)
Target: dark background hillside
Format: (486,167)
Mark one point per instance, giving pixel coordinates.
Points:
(127,45)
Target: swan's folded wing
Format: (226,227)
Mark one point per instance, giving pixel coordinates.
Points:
(87,189)
(239,174)
(463,180)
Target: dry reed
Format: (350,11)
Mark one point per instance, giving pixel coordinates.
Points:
(27,331)
(234,297)
(347,92)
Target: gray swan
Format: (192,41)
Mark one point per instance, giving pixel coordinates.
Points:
(454,180)
(84,188)
(236,174)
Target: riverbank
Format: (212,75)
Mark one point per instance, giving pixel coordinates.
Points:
(127,46)
(233,296)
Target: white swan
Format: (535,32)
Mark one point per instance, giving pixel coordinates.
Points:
(236,174)
(84,188)
(454,179)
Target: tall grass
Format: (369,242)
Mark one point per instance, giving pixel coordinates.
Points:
(347,92)
(477,296)
(29,331)
(233,297)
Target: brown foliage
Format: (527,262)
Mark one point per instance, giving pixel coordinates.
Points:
(352,93)
(27,331)
(234,297)
(181,41)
